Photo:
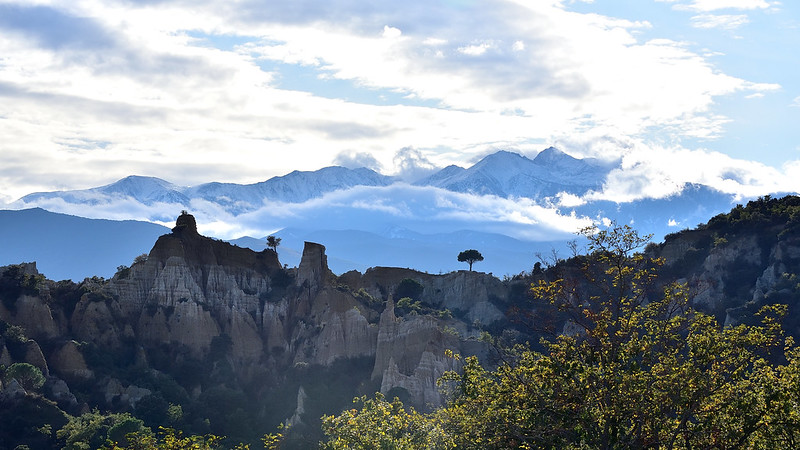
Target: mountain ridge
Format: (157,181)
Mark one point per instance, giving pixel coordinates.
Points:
(503,173)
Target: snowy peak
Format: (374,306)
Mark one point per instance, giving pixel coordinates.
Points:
(137,183)
(504,174)
(147,190)
(294,187)
(552,156)
(508,174)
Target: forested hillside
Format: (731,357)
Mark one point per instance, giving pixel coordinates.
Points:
(626,344)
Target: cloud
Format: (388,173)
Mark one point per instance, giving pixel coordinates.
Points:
(391,32)
(657,172)
(796,102)
(411,164)
(714,5)
(355,160)
(725,22)
(93,90)
(375,209)
(475,50)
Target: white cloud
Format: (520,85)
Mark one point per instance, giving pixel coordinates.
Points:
(411,165)
(391,32)
(796,102)
(476,49)
(722,21)
(659,172)
(142,81)
(714,5)
(355,160)
(374,209)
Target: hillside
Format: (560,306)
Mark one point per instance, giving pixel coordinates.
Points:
(70,247)
(238,343)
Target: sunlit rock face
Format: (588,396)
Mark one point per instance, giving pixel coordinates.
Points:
(245,319)
(196,298)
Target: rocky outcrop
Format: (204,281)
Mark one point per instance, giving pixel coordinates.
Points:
(313,270)
(465,292)
(410,354)
(68,362)
(199,299)
(33,355)
(116,393)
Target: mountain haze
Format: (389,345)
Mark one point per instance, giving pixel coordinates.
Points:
(70,247)
(506,205)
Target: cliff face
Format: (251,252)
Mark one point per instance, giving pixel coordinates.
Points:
(220,319)
(194,297)
(740,261)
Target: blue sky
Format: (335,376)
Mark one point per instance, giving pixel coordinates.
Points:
(682,91)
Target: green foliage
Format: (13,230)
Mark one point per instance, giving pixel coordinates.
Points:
(123,272)
(409,287)
(30,421)
(639,371)
(380,424)
(14,283)
(470,257)
(12,333)
(365,297)
(763,212)
(27,375)
(408,305)
(273,243)
(93,430)
(168,439)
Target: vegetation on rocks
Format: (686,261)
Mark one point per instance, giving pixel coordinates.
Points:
(687,343)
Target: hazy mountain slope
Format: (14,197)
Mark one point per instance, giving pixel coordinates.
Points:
(70,247)
(432,253)
(693,205)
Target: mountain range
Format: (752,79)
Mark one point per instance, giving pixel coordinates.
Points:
(503,174)
(506,205)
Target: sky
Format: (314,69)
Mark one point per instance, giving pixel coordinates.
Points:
(703,91)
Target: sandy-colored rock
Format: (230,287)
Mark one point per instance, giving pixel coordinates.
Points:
(313,270)
(68,362)
(34,356)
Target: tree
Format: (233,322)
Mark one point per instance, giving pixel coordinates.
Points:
(27,375)
(470,257)
(380,424)
(273,243)
(409,287)
(642,369)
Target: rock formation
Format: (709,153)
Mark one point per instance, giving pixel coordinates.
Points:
(215,319)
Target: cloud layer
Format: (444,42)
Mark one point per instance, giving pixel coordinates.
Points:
(92,91)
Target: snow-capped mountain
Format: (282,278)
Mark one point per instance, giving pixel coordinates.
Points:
(505,206)
(504,174)
(295,187)
(507,174)
(145,190)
